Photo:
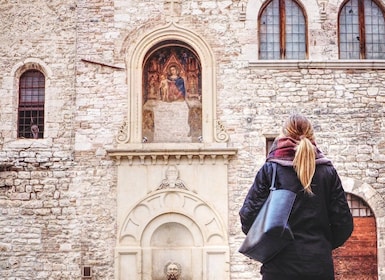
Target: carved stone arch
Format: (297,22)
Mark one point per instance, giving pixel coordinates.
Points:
(376,203)
(29,64)
(187,207)
(253,9)
(135,54)
(172,226)
(368,194)
(190,232)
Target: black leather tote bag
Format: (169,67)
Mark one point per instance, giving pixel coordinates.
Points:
(270,232)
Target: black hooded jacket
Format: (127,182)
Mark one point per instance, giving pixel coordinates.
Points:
(320,222)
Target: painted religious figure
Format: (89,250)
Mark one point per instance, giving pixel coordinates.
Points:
(172,90)
(172,74)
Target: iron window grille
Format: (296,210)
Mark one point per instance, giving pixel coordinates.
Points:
(358,207)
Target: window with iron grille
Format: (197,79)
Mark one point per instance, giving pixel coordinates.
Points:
(361,30)
(282,31)
(358,207)
(31,105)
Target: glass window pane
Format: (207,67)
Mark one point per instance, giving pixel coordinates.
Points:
(349,31)
(374,31)
(295,31)
(269,32)
(31,104)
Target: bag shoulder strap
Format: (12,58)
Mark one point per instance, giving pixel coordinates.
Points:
(272,187)
(274,175)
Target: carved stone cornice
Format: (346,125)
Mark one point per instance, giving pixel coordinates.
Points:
(176,153)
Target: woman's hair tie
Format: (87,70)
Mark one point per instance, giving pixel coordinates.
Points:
(302,137)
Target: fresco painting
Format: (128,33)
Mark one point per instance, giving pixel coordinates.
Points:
(172,74)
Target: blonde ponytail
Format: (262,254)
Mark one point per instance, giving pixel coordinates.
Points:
(299,128)
(304,163)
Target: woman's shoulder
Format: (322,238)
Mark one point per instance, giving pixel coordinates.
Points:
(326,168)
(268,167)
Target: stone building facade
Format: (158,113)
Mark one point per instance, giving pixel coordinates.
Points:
(93,198)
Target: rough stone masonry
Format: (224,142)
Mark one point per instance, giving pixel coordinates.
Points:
(58,194)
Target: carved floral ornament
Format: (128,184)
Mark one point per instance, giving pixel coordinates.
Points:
(221,134)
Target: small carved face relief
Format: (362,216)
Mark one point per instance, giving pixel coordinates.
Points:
(172,271)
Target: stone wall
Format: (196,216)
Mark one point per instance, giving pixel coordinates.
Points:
(345,107)
(38,210)
(58,194)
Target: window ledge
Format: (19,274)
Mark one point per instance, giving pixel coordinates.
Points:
(23,143)
(363,64)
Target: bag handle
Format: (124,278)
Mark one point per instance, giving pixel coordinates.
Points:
(272,187)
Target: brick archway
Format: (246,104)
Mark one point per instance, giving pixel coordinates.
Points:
(357,258)
(361,257)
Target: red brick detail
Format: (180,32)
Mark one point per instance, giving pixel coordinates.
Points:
(357,258)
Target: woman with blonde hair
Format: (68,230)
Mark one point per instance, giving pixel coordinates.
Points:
(320,219)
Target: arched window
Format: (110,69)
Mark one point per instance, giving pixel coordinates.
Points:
(361,30)
(358,207)
(282,31)
(31,105)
